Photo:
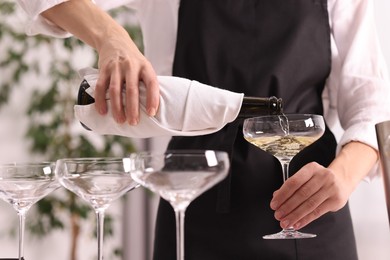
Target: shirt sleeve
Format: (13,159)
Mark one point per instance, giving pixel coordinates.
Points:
(358,86)
(37,24)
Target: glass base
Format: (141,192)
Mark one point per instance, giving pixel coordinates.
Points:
(289,234)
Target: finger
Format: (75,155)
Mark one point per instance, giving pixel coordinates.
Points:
(306,194)
(132,97)
(115,90)
(319,211)
(333,198)
(100,92)
(152,91)
(290,186)
(313,207)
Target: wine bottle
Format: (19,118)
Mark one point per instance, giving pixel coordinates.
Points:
(251,106)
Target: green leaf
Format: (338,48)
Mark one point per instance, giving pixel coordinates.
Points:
(7,7)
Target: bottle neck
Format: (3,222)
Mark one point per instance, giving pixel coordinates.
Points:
(258,106)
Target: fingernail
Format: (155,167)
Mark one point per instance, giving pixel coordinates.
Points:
(120,120)
(279,214)
(102,111)
(274,205)
(285,223)
(297,226)
(152,112)
(133,121)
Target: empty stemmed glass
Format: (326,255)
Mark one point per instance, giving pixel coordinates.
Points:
(284,136)
(179,177)
(99,181)
(22,185)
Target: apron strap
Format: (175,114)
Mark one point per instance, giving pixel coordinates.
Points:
(223,196)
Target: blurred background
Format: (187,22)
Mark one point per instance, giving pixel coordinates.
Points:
(38,87)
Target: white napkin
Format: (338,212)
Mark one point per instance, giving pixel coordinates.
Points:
(187,108)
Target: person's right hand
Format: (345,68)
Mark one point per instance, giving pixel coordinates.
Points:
(121,65)
(120,61)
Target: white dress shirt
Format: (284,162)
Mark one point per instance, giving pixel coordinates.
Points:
(357,93)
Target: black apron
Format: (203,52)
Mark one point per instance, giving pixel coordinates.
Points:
(261,48)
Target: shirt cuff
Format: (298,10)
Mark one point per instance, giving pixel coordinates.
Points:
(364,133)
(37,24)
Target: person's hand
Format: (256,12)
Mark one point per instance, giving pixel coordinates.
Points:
(310,193)
(122,64)
(120,61)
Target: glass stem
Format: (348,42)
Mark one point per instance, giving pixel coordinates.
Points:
(285,166)
(22,218)
(100,232)
(179,214)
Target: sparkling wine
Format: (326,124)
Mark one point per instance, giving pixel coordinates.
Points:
(282,147)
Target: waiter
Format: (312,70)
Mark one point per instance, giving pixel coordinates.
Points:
(298,50)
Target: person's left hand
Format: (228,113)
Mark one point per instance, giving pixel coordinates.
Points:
(310,193)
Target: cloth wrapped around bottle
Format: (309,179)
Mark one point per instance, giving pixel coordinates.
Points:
(187,108)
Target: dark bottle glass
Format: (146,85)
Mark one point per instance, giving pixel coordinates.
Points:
(259,106)
(83,98)
(251,106)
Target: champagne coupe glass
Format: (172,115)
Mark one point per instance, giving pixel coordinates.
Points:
(179,177)
(22,185)
(284,136)
(98,181)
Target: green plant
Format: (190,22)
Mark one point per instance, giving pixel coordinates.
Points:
(45,67)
